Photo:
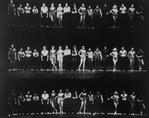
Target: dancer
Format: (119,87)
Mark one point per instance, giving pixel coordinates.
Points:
(74,16)
(131,13)
(97,58)
(123,15)
(12,56)
(98,102)
(105,55)
(36,102)
(131,56)
(20,13)
(91,100)
(21,57)
(11,12)
(97,16)
(115,98)
(28,57)
(124,102)
(74,58)
(83,98)
(68,101)
(44,14)
(53,58)
(21,101)
(60,14)
(67,17)
(67,58)
(27,12)
(60,100)
(52,14)
(35,16)
(75,102)
(90,14)
(140,15)
(82,54)
(45,101)
(114,12)
(12,101)
(35,59)
(132,100)
(60,54)
(90,55)
(53,102)
(28,102)
(140,100)
(139,55)
(123,59)
(44,58)
(114,54)
(105,15)
(82,12)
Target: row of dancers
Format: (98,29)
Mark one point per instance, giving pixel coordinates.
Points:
(76,102)
(66,14)
(68,59)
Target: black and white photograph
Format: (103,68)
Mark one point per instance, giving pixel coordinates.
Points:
(74,58)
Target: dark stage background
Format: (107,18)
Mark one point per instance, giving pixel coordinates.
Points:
(37,37)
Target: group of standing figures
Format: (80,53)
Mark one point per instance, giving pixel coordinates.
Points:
(67,102)
(74,17)
(68,59)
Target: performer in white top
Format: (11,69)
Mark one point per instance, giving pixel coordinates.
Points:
(21,57)
(67,15)
(124,102)
(60,99)
(20,14)
(90,14)
(123,15)
(44,14)
(27,12)
(44,11)
(131,56)
(45,101)
(44,58)
(82,12)
(82,54)
(123,59)
(114,12)
(53,58)
(35,16)
(60,11)
(115,98)
(36,59)
(67,58)
(60,54)
(114,54)
(28,55)
(67,94)
(90,55)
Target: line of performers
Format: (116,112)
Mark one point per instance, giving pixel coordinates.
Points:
(68,59)
(82,16)
(55,102)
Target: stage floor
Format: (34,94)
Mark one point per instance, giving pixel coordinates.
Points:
(109,115)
